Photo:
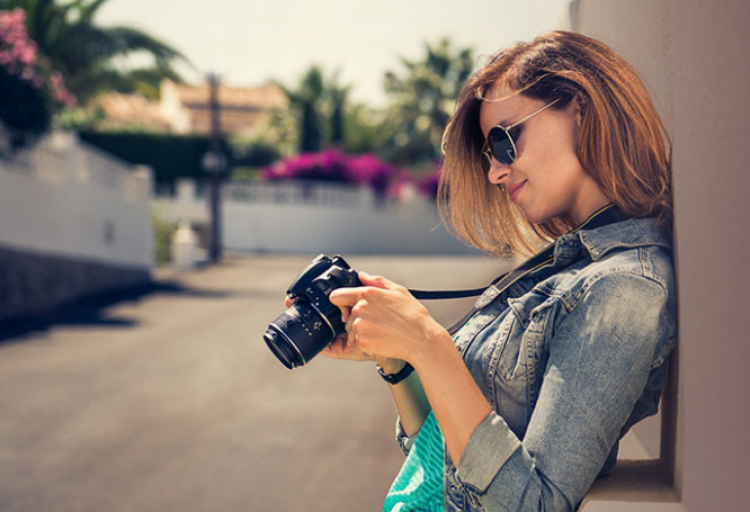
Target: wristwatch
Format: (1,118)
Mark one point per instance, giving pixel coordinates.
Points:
(397,377)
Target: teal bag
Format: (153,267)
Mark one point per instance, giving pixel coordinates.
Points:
(419,484)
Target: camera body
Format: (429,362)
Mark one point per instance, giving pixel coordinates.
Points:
(313,322)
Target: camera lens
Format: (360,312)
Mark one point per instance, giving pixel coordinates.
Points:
(298,335)
(282,348)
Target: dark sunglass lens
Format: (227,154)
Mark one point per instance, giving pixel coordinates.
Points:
(501,146)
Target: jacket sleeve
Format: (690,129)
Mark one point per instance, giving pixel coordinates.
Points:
(600,356)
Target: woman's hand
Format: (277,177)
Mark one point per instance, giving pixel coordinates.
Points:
(340,348)
(385,321)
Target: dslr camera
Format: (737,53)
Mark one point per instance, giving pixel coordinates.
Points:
(312,323)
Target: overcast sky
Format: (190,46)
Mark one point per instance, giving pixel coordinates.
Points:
(249,42)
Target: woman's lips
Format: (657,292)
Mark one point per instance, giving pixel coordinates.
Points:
(514,189)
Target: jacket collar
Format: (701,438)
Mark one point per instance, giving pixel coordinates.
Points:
(630,233)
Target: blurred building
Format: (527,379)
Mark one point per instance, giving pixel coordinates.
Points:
(130,111)
(185,108)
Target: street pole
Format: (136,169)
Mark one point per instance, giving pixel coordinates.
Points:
(215,163)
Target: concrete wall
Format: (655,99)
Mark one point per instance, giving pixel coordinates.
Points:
(312,218)
(73,221)
(72,200)
(693,55)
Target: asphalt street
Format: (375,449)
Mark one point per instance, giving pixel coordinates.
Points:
(173,402)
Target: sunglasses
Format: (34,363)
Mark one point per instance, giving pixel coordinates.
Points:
(501,144)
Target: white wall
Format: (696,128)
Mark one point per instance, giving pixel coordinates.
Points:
(694,56)
(314,218)
(67,199)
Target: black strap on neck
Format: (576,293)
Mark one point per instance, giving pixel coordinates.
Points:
(606,215)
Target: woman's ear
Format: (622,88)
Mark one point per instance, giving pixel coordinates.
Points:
(578,108)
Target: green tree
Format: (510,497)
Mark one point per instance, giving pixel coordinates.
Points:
(305,102)
(279,132)
(90,57)
(319,105)
(422,100)
(364,133)
(336,96)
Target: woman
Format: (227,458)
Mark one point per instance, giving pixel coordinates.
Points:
(552,369)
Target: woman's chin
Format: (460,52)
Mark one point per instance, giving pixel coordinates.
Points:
(534,217)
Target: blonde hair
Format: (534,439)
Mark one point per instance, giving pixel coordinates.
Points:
(622,143)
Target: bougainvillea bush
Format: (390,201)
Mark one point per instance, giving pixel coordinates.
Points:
(366,170)
(325,166)
(427,185)
(31,92)
(335,166)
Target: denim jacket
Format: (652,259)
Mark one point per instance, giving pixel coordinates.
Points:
(569,358)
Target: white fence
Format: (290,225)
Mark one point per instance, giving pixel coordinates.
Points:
(66,198)
(311,217)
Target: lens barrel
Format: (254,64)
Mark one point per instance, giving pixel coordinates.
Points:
(298,334)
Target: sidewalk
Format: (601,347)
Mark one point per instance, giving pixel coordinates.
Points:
(173,401)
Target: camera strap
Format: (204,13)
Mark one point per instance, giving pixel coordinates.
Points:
(607,215)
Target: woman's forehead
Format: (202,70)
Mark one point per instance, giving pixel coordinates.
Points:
(499,105)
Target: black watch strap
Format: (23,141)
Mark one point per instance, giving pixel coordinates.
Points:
(398,376)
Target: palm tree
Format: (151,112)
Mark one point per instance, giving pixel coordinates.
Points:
(337,99)
(319,105)
(306,100)
(421,101)
(66,33)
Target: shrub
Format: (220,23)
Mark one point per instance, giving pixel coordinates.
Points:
(163,231)
(171,156)
(334,166)
(31,90)
(427,185)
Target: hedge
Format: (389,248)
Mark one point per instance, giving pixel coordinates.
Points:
(170,156)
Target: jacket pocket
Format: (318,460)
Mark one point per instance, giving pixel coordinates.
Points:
(517,349)
(507,359)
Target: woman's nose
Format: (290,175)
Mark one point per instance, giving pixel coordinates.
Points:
(498,173)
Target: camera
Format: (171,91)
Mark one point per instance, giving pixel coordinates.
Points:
(312,323)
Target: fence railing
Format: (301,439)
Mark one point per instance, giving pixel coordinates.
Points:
(298,192)
(314,216)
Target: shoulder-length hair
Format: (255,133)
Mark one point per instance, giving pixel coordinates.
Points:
(622,142)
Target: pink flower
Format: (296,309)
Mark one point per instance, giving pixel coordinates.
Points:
(28,55)
(19,57)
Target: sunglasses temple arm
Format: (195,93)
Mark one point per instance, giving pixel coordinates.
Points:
(548,105)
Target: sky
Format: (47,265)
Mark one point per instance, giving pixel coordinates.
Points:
(249,42)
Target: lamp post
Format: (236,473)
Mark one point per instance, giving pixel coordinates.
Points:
(215,163)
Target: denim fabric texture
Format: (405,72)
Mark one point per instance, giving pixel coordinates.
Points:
(569,358)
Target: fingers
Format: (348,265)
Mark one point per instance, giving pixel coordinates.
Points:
(376,281)
(351,329)
(336,348)
(349,296)
(345,312)
(346,296)
(340,348)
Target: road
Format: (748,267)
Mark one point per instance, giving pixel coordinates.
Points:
(173,402)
